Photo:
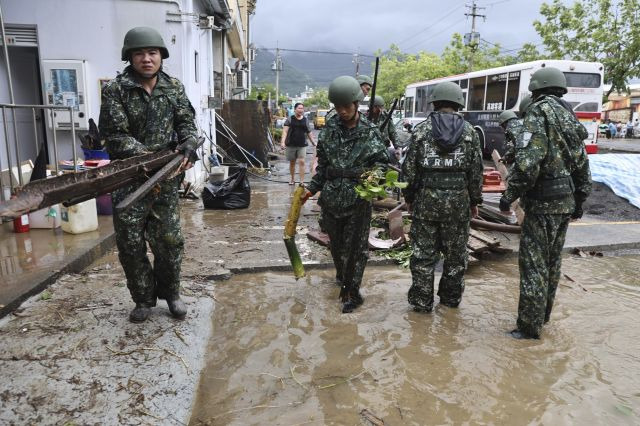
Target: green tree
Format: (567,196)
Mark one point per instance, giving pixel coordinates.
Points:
(265,92)
(606,31)
(320,98)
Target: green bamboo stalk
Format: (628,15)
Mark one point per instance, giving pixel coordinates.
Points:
(290,232)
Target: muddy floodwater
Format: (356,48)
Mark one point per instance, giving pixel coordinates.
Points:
(281,352)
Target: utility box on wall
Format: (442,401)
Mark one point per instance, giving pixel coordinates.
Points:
(65,84)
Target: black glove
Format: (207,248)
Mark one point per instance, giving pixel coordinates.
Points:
(505,205)
(577,212)
(188,148)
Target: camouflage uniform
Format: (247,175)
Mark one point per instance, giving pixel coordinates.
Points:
(389,131)
(443,185)
(343,154)
(551,174)
(134,122)
(510,135)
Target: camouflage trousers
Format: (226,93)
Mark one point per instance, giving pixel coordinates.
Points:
(154,219)
(540,259)
(349,246)
(428,241)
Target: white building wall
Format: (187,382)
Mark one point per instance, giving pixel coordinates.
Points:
(93,30)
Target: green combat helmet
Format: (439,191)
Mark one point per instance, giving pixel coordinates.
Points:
(524,104)
(345,90)
(447,91)
(548,77)
(378,101)
(364,79)
(506,116)
(140,38)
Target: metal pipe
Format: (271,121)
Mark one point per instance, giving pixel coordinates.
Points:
(6,138)
(55,140)
(35,106)
(35,131)
(73,139)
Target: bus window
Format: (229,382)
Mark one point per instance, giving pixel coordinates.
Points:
(464,83)
(512,89)
(476,94)
(587,107)
(496,86)
(423,107)
(408,107)
(464,97)
(582,79)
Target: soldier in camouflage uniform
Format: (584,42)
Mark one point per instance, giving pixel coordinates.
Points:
(443,168)
(511,125)
(142,110)
(347,146)
(552,179)
(378,117)
(365,85)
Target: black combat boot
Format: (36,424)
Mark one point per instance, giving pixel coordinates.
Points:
(420,301)
(519,334)
(452,303)
(351,299)
(140,313)
(177,307)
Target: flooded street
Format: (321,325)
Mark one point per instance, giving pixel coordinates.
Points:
(281,353)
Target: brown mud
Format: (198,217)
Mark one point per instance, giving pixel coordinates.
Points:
(281,353)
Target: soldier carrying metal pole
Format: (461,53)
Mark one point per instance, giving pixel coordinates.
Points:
(141,111)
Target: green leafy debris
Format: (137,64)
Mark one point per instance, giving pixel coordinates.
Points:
(375,183)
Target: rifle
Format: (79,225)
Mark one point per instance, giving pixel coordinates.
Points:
(372,96)
(386,120)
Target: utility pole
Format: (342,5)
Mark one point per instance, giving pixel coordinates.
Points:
(277,67)
(356,60)
(473,38)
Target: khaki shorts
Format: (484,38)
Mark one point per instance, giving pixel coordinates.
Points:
(295,152)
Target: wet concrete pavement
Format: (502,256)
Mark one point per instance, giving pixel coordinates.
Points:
(70,354)
(31,261)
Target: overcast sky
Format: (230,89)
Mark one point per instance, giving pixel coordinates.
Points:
(368,25)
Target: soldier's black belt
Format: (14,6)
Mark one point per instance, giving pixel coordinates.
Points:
(552,189)
(335,173)
(444,180)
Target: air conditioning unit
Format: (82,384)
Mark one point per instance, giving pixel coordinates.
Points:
(207,23)
(241,78)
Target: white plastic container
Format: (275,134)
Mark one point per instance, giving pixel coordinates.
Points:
(82,217)
(47,218)
(218,173)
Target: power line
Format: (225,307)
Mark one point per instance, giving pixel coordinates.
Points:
(433,36)
(437,21)
(325,52)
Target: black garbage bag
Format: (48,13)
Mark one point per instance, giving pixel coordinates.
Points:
(232,193)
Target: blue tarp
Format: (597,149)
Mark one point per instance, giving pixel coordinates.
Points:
(620,172)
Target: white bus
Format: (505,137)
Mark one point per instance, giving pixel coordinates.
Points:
(489,92)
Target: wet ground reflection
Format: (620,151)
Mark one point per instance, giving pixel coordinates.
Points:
(281,352)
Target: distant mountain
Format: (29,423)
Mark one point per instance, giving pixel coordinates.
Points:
(300,69)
